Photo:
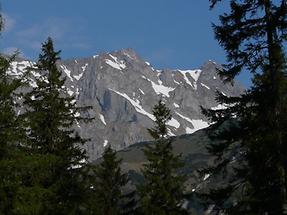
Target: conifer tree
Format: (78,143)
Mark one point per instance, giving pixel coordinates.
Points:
(22,170)
(10,136)
(253,146)
(50,117)
(162,191)
(108,182)
(8,118)
(16,163)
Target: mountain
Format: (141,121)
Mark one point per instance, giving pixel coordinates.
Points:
(122,89)
(192,147)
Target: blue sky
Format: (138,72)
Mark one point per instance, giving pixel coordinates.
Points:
(168,33)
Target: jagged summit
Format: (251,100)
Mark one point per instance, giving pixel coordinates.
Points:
(130,53)
(122,89)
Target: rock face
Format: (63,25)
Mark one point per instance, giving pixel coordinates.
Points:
(122,89)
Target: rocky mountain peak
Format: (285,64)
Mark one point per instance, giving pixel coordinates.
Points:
(122,88)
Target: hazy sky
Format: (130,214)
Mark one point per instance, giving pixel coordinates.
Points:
(168,33)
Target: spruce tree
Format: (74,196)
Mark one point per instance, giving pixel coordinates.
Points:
(50,116)
(162,191)
(253,145)
(22,170)
(11,135)
(108,183)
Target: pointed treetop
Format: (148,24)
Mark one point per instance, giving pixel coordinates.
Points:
(162,115)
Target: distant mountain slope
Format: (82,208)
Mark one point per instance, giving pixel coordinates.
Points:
(122,89)
(192,147)
(195,157)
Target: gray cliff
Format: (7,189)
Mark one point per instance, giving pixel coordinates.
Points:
(122,89)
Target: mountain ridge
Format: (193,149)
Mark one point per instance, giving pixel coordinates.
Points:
(122,88)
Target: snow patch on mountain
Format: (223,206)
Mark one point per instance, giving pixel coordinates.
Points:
(176,105)
(184,117)
(188,130)
(84,67)
(78,77)
(105,143)
(70,92)
(159,88)
(102,118)
(186,78)
(173,122)
(136,105)
(207,87)
(35,74)
(219,107)
(66,71)
(142,92)
(81,162)
(116,63)
(128,55)
(194,74)
(17,68)
(206,176)
(176,81)
(170,133)
(196,123)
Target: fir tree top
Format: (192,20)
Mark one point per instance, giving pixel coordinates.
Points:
(162,191)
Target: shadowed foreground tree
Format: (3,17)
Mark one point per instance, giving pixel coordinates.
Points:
(9,137)
(17,165)
(253,146)
(108,183)
(50,116)
(162,191)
